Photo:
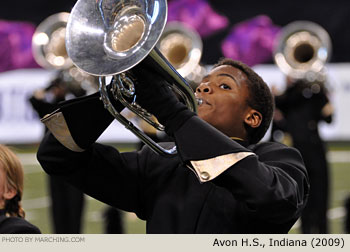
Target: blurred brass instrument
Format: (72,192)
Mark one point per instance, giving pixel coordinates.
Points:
(182,47)
(108,38)
(49,51)
(303,49)
(48,43)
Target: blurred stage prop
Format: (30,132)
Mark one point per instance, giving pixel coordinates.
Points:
(16,45)
(251,41)
(197,14)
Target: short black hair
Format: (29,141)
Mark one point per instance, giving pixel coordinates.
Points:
(260,98)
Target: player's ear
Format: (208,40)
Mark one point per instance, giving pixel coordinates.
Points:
(253,118)
(9,193)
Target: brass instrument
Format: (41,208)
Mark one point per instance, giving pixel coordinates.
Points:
(303,49)
(49,51)
(108,38)
(48,43)
(182,47)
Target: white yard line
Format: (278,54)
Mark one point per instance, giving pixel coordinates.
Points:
(332,214)
(28,158)
(42,202)
(36,203)
(338,156)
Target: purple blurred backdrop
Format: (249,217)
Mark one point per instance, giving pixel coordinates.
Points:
(251,41)
(197,14)
(16,45)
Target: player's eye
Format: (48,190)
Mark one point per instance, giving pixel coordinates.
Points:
(224,86)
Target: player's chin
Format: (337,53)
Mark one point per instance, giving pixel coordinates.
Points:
(205,113)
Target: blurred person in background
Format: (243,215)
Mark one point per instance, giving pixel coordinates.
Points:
(113,221)
(11,191)
(298,111)
(67,202)
(347,215)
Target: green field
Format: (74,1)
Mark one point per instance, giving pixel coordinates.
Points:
(36,199)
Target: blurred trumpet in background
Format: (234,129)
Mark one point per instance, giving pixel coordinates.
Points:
(49,51)
(303,49)
(182,46)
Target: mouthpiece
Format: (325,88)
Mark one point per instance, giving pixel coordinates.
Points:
(199,101)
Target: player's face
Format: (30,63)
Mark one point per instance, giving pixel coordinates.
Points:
(224,93)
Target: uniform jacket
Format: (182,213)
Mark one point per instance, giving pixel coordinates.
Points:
(16,225)
(262,193)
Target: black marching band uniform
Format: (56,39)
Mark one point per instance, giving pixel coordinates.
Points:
(202,189)
(302,106)
(16,225)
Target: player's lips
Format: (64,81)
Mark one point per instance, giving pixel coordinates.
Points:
(202,101)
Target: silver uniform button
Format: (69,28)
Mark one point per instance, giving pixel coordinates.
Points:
(205,175)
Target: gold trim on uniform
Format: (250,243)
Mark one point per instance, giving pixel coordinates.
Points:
(236,138)
(209,169)
(56,123)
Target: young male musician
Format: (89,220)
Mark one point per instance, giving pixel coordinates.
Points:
(220,181)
